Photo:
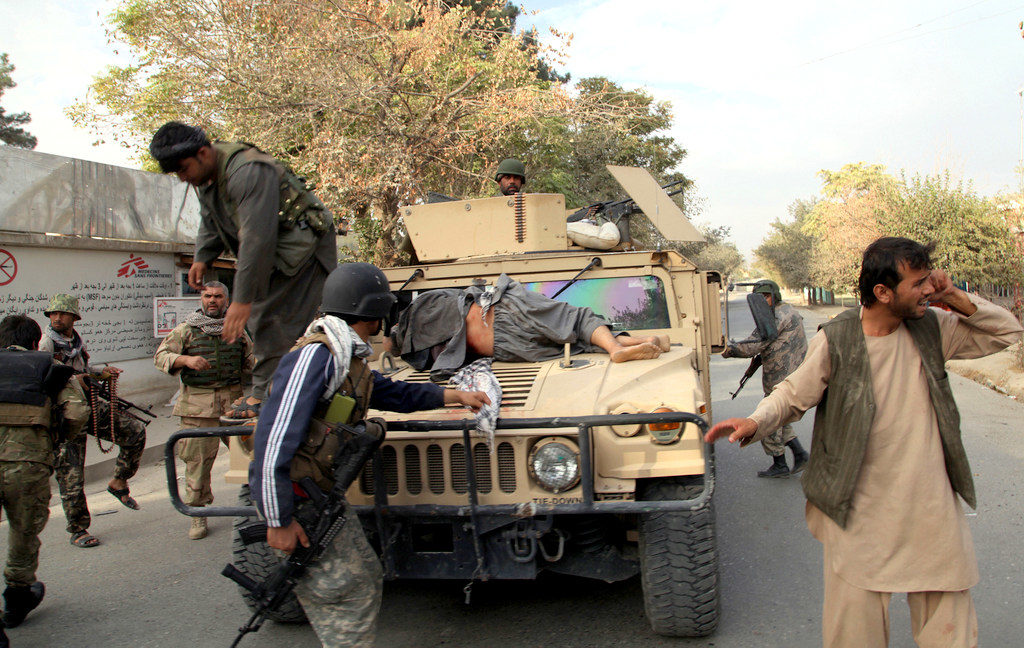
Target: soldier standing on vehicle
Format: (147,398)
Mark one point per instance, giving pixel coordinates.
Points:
(211,372)
(282,235)
(510,176)
(782,346)
(326,373)
(63,341)
(887,461)
(31,386)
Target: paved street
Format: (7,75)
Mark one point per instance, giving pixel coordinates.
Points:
(149,586)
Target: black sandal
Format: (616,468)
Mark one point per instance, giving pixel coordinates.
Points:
(84,540)
(124,497)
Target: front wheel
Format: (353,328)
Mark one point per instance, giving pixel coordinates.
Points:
(679,561)
(256,561)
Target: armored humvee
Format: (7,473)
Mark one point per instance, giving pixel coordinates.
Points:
(598,469)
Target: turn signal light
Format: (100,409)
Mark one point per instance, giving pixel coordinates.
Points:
(663,427)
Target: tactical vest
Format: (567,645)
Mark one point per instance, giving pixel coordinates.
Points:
(226,361)
(844,416)
(316,454)
(24,398)
(298,206)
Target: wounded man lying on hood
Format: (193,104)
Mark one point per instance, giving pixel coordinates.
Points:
(442,330)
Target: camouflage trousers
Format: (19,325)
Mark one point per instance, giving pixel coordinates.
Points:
(341,592)
(69,467)
(25,496)
(199,455)
(775,443)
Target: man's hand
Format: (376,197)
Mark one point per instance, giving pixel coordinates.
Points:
(287,538)
(473,400)
(234,321)
(947,293)
(198,363)
(737,429)
(195,275)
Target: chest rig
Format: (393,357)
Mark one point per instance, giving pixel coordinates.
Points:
(315,456)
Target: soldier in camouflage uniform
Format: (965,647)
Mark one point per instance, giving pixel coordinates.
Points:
(341,591)
(780,356)
(62,340)
(212,373)
(29,387)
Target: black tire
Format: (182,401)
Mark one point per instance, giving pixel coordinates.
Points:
(256,561)
(679,562)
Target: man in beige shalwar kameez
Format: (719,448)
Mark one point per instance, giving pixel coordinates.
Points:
(882,498)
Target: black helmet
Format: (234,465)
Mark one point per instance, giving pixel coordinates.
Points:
(359,290)
(768,287)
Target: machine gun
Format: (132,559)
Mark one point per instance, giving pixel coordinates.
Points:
(321,528)
(102,389)
(616,210)
(755,364)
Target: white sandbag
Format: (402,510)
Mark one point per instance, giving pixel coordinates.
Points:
(591,236)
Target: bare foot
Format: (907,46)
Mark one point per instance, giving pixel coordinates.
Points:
(660,341)
(642,351)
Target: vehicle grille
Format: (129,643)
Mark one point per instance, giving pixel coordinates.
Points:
(444,464)
(516,382)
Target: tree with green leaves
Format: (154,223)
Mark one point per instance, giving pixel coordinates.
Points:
(716,252)
(377,103)
(974,236)
(11,131)
(786,250)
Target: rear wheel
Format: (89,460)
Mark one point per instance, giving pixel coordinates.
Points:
(679,562)
(256,561)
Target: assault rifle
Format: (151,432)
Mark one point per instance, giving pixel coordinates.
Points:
(103,391)
(616,210)
(363,440)
(755,364)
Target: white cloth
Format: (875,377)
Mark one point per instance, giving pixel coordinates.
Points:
(344,343)
(478,376)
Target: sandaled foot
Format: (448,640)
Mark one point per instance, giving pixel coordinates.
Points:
(84,539)
(124,497)
(643,351)
(244,408)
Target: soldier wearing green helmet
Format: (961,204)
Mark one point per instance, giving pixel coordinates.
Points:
(62,341)
(779,339)
(510,176)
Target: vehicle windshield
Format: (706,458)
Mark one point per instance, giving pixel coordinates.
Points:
(627,302)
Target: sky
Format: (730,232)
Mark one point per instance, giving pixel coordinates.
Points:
(764,94)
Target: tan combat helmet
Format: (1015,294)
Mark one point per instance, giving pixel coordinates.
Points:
(63,303)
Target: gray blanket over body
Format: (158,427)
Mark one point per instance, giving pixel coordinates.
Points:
(528,327)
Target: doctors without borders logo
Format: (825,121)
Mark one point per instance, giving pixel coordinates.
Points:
(136,266)
(133,266)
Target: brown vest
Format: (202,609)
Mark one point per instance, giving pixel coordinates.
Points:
(316,454)
(843,418)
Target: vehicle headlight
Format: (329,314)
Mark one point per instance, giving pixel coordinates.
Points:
(555,464)
(664,433)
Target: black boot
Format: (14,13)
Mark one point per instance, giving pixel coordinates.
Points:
(4,642)
(19,600)
(779,468)
(800,455)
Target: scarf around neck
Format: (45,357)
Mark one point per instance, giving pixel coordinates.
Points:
(70,349)
(343,343)
(208,325)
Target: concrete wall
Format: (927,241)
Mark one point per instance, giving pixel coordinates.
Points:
(111,236)
(41,193)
